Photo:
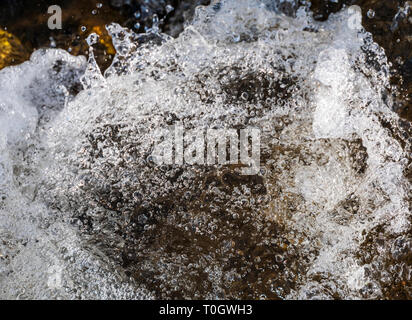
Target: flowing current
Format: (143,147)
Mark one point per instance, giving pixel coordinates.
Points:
(86,213)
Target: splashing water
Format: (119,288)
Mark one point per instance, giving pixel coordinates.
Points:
(85,213)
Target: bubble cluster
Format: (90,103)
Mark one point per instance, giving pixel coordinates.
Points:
(86,213)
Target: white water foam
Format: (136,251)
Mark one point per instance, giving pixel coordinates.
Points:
(323,104)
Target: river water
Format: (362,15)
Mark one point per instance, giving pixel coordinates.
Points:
(85,212)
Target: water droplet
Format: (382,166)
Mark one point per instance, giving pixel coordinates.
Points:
(169,8)
(145,9)
(155,25)
(52,42)
(92,39)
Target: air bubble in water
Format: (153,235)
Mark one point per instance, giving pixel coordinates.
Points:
(236,37)
(145,10)
(155,23)
(92,39)
(333,172)
(52,42)
(169,8)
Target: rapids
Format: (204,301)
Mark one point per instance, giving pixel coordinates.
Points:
(86,213)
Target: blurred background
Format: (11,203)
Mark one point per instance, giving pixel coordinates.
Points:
(23,28)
